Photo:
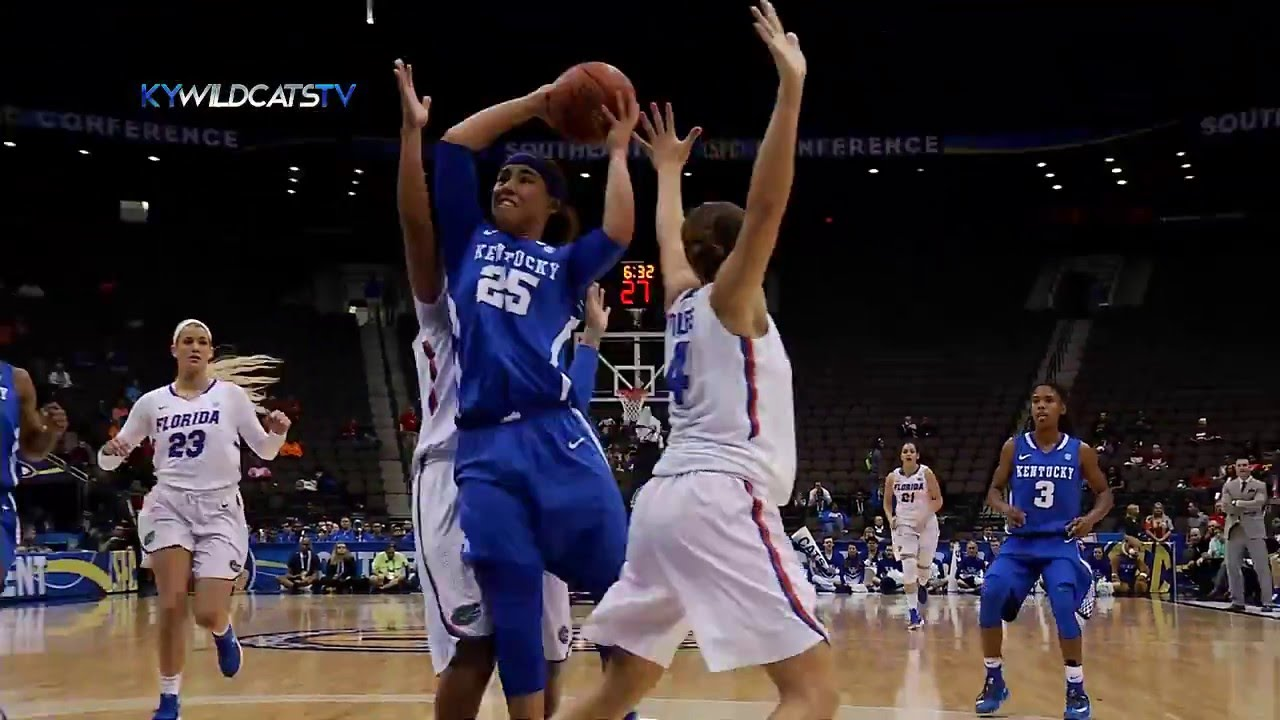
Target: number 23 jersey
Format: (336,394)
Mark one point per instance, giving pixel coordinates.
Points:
(731,407)
(197,440)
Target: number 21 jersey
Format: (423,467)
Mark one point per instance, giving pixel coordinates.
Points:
(1047,486)
(731,408)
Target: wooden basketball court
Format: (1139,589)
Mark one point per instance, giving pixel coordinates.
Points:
(364,658)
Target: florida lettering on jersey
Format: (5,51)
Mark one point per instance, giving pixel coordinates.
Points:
(512,300)
(732,409)
(911,496)
(186,420)
(1046,485)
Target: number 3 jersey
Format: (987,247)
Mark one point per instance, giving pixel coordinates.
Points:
(1047,486)
(197,440)
(731,409)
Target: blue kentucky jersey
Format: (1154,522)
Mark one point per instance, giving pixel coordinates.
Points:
(10,424)
(513,301)
(1047,486)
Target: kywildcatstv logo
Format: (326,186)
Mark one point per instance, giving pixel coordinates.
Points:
(214,95)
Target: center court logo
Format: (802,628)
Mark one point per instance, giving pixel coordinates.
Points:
(405,640)
(214,95)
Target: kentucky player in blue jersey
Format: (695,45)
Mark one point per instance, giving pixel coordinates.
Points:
(26,433)
(535,492)
(1038,488)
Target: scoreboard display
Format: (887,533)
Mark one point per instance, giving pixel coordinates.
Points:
(636,285)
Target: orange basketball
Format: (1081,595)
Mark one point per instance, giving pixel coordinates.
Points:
(575,100)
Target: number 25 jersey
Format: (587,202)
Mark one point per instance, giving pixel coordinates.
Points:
(731,408)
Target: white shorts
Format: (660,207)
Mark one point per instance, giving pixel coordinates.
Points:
(707,552)
(211,526)
(922,543)
(454,607)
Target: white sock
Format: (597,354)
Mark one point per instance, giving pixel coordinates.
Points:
(170,685)
(224,630)
(1075,673)
(994,663)
(913,601)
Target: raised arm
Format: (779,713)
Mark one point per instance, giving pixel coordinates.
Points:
(39,428)
(483,128)
(594,253)
(1103,500)
(586,356)
(412,198)
(738,293)
(669,153)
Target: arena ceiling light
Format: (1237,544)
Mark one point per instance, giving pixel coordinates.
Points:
(291,191)
(153,158)
(293,168)
(293,179)
(1122,182)
(1117,170)
(874,171)
(359,171)
(1186,165)
(688,174)
(351,193)
(84,152)
(1108,159)
(10,143)
(1180,153)
(1041,164)
(584,174)
(355,182)
(1049,175)
(1188,177)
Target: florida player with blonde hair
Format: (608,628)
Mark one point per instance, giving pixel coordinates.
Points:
(706,550)
(192,522)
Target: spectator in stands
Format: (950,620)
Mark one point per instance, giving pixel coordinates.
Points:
(29,543)
(60,378)
(908,429)
(1202,432)
(880,530)
(1139,428)
(1155,458)
(1102,428)
(306,483)
(1114,480)
(1158,526)
(860,508)
(874,464)
(303,569)
(1131,525)
(409,426)
(969,568)
(1101,568)
(132,392)
(1196,567)
(118,540)
(1196,518)
(344,532)
(819,498)
(340,571)
(1137,455)
(389,570)
(927,427)
(1200,480)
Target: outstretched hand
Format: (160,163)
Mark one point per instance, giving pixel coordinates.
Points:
(622,126)
(783,46)
(413,111)
(660,142)
(597,311)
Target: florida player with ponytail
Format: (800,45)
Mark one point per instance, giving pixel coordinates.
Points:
(535,492)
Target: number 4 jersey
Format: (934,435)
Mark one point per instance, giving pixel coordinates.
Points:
(1047,486)
(731,408)
(197,440)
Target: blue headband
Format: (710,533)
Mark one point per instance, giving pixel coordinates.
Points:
(544,168)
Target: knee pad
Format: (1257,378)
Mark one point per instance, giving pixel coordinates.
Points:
(513,596)
(1063,602)
(910,570)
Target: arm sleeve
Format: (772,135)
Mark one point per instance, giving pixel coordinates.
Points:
(263,444)
(456,194)
(582,373)
(134,430)
(590,257)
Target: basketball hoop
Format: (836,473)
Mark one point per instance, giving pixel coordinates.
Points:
(632,400)
(637,314)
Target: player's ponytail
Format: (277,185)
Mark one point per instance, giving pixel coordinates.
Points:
(563,226)
(248,372)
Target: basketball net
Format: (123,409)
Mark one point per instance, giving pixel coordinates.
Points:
(632,400)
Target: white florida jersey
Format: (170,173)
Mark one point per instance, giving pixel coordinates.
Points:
(437,377)
(197,440)
(731,407)
(911,493)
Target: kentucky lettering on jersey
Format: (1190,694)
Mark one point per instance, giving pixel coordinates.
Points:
(197,440)
(731,409)
(1046,485)
(512,300)
(10,428)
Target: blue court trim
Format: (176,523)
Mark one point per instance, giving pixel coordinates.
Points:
(749,374)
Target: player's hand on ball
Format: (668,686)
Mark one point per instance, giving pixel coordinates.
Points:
(54,417)
(1015,517)
(1079,527)
(660,141)
(277,423)
(783,46)
(116,447)
(413,111)
(623,126)
(597,311)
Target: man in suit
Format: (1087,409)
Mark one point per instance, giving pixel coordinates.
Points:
(304,568)
(1244,500)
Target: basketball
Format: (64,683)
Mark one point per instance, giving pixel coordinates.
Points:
(576,97)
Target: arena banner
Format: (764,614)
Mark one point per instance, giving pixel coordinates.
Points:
(1162,559)
(1246,121)
(75,575)
(269,561)
(116,128)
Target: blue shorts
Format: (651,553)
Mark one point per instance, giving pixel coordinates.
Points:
(9,537)
(538,494)
(1023,560)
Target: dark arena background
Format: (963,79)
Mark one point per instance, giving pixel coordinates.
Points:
(986,195)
